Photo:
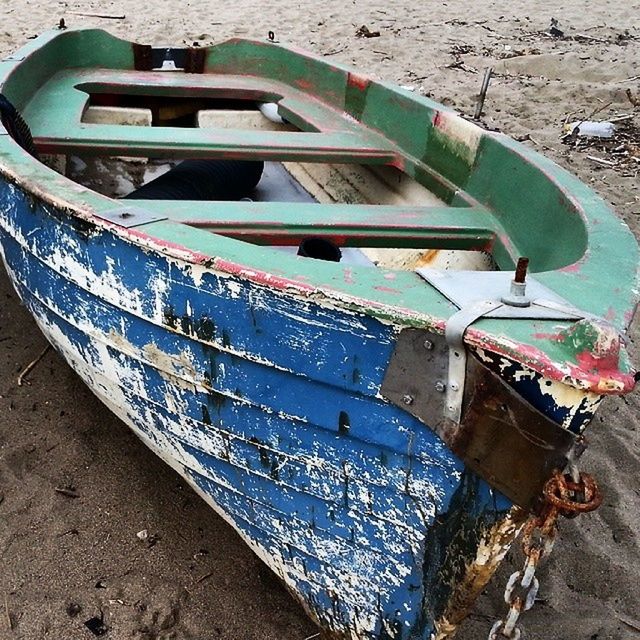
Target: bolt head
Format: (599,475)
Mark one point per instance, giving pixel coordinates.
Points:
(428,345)
(440,386)
(407,399)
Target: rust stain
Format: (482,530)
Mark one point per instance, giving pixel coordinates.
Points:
(492,549)
(427,258)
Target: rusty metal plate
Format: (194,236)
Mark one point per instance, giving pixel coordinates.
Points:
(505,440)
(501,437)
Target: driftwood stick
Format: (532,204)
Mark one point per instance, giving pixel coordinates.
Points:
(621,118)
(597,110)
(483,93)
(204,577)
(633,624)
(106,16)
(66,491)
(29,368)
(606,163)
(6,612)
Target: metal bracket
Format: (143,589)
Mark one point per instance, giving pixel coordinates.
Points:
(464,288)
(129,216)
(491,427)
(480,294)
(454,335)
(500,436)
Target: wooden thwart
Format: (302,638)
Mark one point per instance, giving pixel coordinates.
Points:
(176,142)
(349,225)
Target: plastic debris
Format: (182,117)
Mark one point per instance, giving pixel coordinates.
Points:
(143,535)
(592,129)
(270,111)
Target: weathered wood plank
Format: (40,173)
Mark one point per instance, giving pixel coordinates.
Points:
(287,223)
(177,142)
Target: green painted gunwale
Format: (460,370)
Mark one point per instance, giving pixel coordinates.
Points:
(576,244)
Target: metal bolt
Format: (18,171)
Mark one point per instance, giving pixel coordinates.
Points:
(521,270)
(428,345)
(441,387)
(407,399)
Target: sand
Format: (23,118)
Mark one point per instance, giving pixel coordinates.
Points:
(67,559)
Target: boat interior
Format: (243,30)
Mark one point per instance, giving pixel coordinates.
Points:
(289,187)
(312,156)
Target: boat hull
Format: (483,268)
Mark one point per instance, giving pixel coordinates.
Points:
(269,406)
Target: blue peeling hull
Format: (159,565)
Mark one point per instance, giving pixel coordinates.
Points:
(269,406)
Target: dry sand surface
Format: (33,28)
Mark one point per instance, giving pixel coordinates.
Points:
(194,578)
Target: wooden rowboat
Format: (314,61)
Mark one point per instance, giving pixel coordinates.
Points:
(376,429)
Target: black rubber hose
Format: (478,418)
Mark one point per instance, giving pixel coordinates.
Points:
(203,180)
(16,127)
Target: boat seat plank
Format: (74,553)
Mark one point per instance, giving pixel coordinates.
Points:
(286,223)
(177,142)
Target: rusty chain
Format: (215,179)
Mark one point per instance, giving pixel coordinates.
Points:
(564,494)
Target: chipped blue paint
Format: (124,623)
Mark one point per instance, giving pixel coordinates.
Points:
(570,408)
(270,407)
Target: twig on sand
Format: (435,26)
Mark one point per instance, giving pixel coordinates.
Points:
(632,99)
(582,36)
(106,16)
(204,577)
(597,110)
(483,93)
(629,622)
(459,64)
(628,116)
(66,491)
(334,51)
(606,163)
(29,368)
(6,612)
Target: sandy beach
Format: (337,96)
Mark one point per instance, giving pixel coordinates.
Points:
(76,487)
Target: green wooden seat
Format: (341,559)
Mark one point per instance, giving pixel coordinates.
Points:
(349,225)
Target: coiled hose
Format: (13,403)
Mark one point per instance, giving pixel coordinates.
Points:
(16,127)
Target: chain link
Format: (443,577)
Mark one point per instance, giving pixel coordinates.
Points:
(567,495)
